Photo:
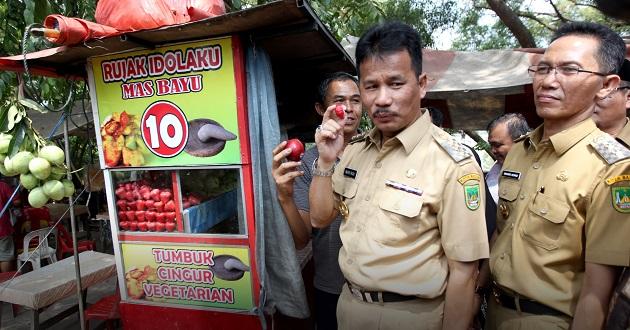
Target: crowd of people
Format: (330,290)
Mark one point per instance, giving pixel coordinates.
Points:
(397,215)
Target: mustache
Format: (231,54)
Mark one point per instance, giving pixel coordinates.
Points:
(381,112)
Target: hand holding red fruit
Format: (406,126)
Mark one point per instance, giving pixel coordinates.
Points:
(283,172)
(339,111)
(329,138)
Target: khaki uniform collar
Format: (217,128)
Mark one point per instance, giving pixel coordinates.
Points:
(624,135)
(410,136)
(564,140)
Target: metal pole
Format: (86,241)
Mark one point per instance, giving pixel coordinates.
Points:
(77,267)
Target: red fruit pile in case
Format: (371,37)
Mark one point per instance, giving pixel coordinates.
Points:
(145,208)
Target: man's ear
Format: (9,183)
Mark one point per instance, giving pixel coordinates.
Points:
(611,82)
(422,83)
(319,108)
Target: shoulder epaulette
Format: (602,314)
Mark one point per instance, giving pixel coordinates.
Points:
(453,148)
(358,138)
(610,149)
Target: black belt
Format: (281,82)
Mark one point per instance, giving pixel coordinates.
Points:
(377,296)
(526,305)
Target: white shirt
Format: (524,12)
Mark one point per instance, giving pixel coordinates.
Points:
(492,180)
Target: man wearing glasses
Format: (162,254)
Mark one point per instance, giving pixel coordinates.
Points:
(564,194)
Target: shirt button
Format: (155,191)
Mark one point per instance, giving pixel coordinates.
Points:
(522,197)
(543,211)
(378,165)
(536,166)
(367,198)
(511,226)
(349,262)
(502,256)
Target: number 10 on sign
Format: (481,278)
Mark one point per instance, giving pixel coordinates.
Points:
(164,129)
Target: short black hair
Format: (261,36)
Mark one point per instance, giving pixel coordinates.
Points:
(612,49)
(515,122)
(325,84)
(437,117)
(391,37)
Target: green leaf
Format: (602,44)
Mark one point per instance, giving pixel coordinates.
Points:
(33,105)
(16,141)
(41,10)
(4,117)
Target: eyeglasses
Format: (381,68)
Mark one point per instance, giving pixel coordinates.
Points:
(537,71)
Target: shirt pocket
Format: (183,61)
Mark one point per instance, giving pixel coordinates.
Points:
(509,189)
(545,222)
(398,219)
(508,193)
(347,189)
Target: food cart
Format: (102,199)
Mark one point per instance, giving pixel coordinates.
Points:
(185,171)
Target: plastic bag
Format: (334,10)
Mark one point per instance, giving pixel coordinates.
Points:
(75,30)
(131,15)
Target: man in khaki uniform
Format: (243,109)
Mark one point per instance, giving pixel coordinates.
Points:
(564,190)
(411,197)
(610,117)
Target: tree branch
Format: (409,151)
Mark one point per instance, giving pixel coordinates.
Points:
(555,9)
(513,23)
(537,20)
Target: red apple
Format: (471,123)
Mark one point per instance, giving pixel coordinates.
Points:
(169,206)
(150,216)
(124,225)
(339,112)
(122,216)
(159,226)
(122,205)
(128,186)
(148,204)
(120,192)
(133,225)
(131,205)
(146,195)
(129,196)
(155,194)
(140,215)
(170,226)
(142,226)
(140,205)
(159,217)
(165,196)
(297,150)
(151,226)
(159,206)
(131,215)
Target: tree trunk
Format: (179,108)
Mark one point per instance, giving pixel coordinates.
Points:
(511,20)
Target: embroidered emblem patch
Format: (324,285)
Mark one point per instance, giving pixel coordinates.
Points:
(472,196)
(621,198)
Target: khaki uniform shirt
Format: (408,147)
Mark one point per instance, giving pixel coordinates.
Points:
(561,204)
(398,237)
(624,135)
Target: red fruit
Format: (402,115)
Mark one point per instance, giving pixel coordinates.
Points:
(148,204)
(169,216)
(131,205)
(150,216)
(159,226)
(129,196)
(120,192)
(124,225)
(142,226)
(159,217)
(122,205)
(128,186)
(170,226)
(146,195)
(165,196)
(133,225)
(339,111)
(186,204)
(140,205)
(155,194)
(122,216)
(169,206)
(297,150)
(151,226)
(140,215)
(159,206)
(131,215)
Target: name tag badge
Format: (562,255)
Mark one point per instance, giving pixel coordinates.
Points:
(511,174)
(350,173)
